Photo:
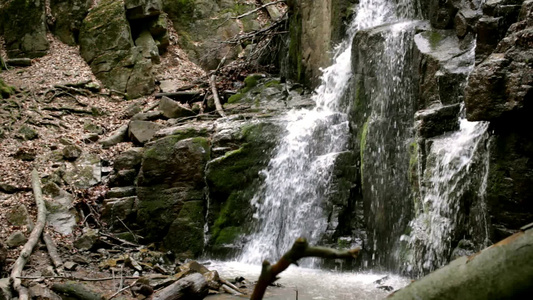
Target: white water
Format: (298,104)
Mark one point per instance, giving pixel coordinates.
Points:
(289,204)
(449,175)
(315,284)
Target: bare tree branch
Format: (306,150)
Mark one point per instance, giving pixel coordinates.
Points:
(300,249)
(257,9)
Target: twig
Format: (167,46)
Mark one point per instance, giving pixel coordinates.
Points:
(133,234)
(300,249)
(16,271)
(220,110)
(120,240)
(259,8)
(122,290)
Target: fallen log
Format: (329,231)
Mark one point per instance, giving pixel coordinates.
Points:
(52,251)
(16,271)
(76,291)
(191,287)
(501,271)
(212,82)
(300,249)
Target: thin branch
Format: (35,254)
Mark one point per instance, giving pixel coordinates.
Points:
(220,110)
(133,234)
(32,241)
(300,249)
(257,9)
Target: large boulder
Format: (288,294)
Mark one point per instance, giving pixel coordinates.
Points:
(140,9)
(68,17)
(233,178)
(25,29)
(107,45)
(172,174)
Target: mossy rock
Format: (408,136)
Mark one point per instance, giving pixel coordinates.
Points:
(186,233)
(6,90)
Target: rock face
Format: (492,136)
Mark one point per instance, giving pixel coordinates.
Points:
(24,28)
(107,44)
(314,27)
(500,91)
(171,180)
(68,16)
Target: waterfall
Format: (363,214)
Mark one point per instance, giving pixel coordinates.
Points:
(297,180)
(456,171)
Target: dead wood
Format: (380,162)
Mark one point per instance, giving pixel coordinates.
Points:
(229,290)
(257,9)
(191,287)
(16,271)
(76,291)
(300,249)
(52,251)
(212,82)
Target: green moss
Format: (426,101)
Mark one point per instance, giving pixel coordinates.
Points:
(413,161)
(228,235)
(5,90)
(363,145)
(272,83)
(235,98)
(434,39)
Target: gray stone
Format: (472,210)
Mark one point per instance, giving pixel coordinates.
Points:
(41,292)
(121,208)
(148,116)
(140,9)
(173,109)
(141,132)
(148,47)
(167,86)
(141,81)
(118,136)
(61,215)
(26,133)
(16,239)
(130,159)
(132,109)
(92,128)
(121,192)
(90,138)
(85,172)
(5,289)
(25,29)
(19,216)
(70,266)
(87,240)
(123,178)
(191,129)
(68,15)
(71,152)
(25,154)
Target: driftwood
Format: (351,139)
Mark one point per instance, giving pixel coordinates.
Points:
(212,82)
(300,249)
(16,271)
(501,271)
(229,290)
(191,287)
(76,291)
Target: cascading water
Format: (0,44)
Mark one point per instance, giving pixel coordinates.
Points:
(297,180)
(456,171)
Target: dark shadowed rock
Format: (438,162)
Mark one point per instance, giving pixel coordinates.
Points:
(140,9)
(25,29)
(68,15)
(442,13)
(130,159)
(437,120)
(120,192)
(119,208)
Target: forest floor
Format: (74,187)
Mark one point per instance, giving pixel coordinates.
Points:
(38,104)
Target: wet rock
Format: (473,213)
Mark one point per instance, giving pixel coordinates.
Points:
(118,136)
(188,225)
(130,159)
(87,240)
(19,216)
(465,21)
(25,34)
(41,292)
(213,280)
(173,109)
(437,120)
(71,152)
(141,132)
(68,15)
(121,192)
(442,13)
(16,239)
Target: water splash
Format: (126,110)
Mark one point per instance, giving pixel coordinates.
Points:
(453,167)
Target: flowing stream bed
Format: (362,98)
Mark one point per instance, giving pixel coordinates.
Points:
(314,283)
